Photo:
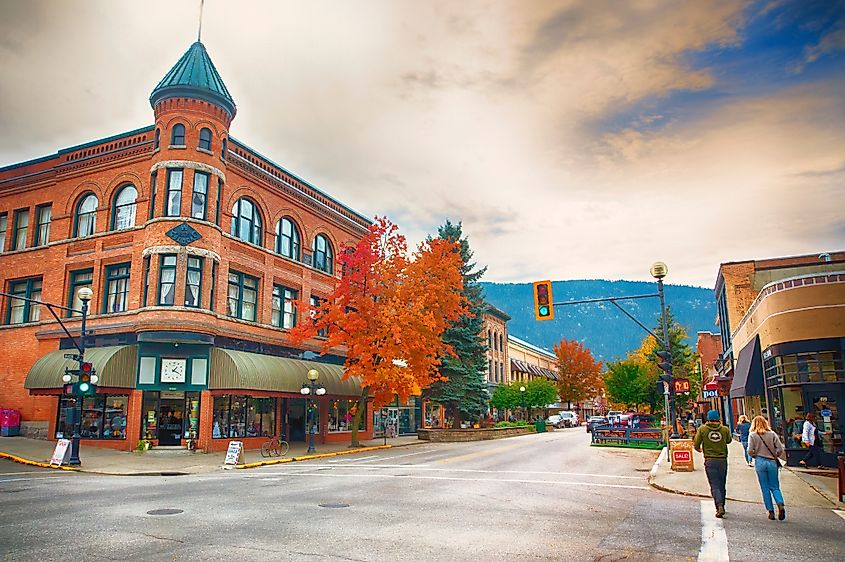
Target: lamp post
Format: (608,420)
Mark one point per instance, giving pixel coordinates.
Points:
(522,400)
(659,270)
(310,388)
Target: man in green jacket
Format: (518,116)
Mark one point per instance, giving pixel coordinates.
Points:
(712,439)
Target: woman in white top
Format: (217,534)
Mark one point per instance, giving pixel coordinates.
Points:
(809,438)
(765,447)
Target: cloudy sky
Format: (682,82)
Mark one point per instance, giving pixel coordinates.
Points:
(573,139)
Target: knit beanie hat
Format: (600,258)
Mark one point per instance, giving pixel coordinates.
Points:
(712,415)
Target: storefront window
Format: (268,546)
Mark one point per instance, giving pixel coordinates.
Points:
(793,413)
(342,414)
(192,415)
(103,417)
(243,416)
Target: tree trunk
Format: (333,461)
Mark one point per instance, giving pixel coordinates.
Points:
(356,419)
(455,407)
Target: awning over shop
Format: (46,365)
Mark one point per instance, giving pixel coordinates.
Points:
(748,375)
(115,366)
(523,367)
(240,370)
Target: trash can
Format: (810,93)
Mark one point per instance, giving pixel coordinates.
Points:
(540,425)
(10,423)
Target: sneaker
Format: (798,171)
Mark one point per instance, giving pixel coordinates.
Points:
(720,511)
(781,512)
(771,515)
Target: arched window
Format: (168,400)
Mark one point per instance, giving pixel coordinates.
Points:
(85,217)
(158,139)
(323,257)
(124,208)
(205,139)
(501,343)
(287,239)
(223,149)
(178,137)
(490,339)
(246,222)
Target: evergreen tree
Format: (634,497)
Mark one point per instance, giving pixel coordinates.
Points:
(463,392)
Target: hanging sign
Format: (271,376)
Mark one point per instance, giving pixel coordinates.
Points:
(234,452)
(681,386)
(710,393)
(61,453)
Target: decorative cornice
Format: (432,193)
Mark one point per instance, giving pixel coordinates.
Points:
(188,164)
(201,252)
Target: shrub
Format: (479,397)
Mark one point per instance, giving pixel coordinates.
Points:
(513,424)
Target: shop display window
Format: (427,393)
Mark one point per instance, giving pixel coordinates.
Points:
(243,416)
(342,414)
(103,417)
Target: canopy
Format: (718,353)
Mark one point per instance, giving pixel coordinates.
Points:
(115,366)
(748,375)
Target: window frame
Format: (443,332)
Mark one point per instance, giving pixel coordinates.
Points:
(18,229)
(174,136)
(194,193)
(147,264)
(241,284)
(295,240)
(188,271)
(112,277)
(29,293)
(314,301)
(157,139)
(116,206)
(213,285)
(162,267)
(74,283)
(217,202)
(170,173)
(327,254)
(283,295)
(4,222)
(256,229)
(42,229)
(78,215)
(202,140)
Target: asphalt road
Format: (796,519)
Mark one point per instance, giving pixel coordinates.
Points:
(538,497)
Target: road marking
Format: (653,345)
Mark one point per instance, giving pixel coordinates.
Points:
(288,468)
(496,480)
(24,472)
(22,479)
(485,453)
(405,455)
(374,457)
(653,471)
(714,541)
(840,513)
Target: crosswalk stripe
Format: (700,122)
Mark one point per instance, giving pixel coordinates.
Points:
(714,540)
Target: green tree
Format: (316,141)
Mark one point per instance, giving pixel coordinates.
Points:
(626,383)
(539,393)
(505,397)
(463,390)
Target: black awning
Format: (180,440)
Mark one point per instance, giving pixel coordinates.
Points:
(748,375)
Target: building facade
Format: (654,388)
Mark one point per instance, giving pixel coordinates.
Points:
(783,326)
(196,248)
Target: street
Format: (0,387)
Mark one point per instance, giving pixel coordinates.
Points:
(538,497)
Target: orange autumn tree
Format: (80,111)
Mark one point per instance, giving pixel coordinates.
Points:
(579,372)
(389,311)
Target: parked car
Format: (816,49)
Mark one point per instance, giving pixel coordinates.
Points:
(570,419)
(613,416)
(594,421)
(555,420)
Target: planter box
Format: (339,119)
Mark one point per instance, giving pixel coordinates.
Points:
(453,435)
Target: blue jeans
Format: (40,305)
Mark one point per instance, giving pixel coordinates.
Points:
(745,451)
(717,475)
(767,476)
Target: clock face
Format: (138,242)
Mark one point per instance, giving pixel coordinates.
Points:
(173,370)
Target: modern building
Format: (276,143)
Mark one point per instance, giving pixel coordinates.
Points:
(782,326)
(196,248)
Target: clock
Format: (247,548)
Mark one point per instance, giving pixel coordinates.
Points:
(173,370)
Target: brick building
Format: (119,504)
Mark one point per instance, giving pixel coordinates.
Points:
(196,247)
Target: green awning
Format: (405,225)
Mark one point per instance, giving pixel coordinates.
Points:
(115,366)
(240,370)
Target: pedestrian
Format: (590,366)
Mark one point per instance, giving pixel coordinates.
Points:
(743,427)
(712,440)
(766,448)
(810,438)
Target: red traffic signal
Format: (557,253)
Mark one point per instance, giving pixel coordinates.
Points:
(86,368)
(543,305)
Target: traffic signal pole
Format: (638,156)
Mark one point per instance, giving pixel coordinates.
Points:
(670,415)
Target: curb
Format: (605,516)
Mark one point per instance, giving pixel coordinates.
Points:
(21,460)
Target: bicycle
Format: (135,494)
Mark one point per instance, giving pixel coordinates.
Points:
(274,447)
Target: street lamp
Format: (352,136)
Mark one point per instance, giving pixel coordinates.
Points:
(312,387)
(659,270)
(522,399)
(85,295)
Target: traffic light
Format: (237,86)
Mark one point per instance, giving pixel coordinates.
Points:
(543,305)
(87,385)
(665,362)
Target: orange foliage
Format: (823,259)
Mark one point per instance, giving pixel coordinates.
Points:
(580,373)
(389,311)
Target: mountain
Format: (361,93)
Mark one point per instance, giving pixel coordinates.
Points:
(601,326)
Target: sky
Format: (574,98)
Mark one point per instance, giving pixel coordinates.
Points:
(572,139)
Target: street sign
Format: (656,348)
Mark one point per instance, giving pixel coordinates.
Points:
(681,386)
(710,393)
(234,452)
(61,453)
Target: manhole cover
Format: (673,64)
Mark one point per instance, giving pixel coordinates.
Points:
(334,505)
(168,511)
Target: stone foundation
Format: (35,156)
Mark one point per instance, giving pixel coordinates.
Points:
(35,430)
(453,435)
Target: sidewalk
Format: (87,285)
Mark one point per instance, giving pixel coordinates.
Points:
(799,487)
(155,462)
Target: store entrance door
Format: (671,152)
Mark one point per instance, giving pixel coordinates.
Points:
(824,402)
(296,419)
(171,414)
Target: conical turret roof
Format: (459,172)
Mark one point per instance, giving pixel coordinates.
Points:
(194,76)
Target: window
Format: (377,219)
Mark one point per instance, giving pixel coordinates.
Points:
(342,414)
(243,416)
(78,280)
(242,296)
(287,239)
(284,310)
(85,223)
(223,149)
(323,258)
(103,416)
(315,306)
(21,229)
(167,280)
(4,219)
(489,339)
(44,214)
(146,280)
(157,139)
(117,288)
(124,208)
(199,197)
(174,192)
(205,139)
(178,137)
(213,285)
(193,283)
(246,222)
(153,180)
(19,311)
(217,202)
(501,343)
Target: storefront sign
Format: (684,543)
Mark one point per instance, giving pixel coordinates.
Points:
(62,452)
(680,454)
(681,386)
(826,413)
(710,393)
(234,452)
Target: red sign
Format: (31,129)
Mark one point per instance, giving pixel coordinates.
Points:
(682,456)
(681,386)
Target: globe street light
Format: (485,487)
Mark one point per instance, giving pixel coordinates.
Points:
(85,295)
(310,388)
(522,400)
(659,270)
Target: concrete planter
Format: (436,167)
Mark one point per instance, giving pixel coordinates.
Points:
(453,435)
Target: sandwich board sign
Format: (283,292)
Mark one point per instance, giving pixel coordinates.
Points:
(62,452)
(233,453)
